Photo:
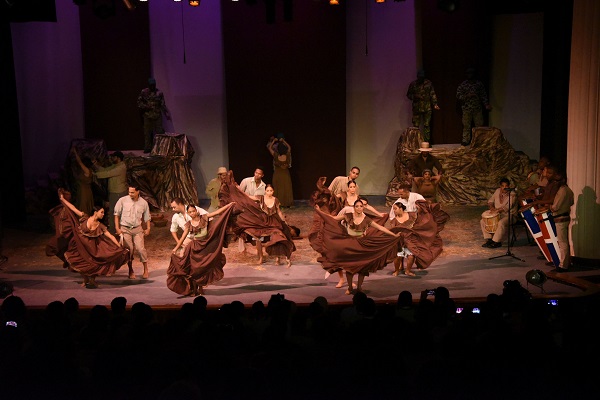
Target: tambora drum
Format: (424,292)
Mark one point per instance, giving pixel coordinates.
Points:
(491,220)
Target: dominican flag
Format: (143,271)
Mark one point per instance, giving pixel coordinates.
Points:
(542,229)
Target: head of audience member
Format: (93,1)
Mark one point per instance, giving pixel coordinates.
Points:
(177,205)
(259,172)
(399,209)
(322,301)
(133,192)
(71,306)
(13,309)
(118,305)
(354,173)
(404,192)
(426,174)
(405,299)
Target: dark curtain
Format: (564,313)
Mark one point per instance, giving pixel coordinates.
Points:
(115,49)
(286,76)
(452,42)
(12,187)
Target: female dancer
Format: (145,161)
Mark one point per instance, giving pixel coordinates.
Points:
(405,220)
(281,151)
(270,205)
(202,261)
(254,221)
(421,241)
(352,246)
(92,250)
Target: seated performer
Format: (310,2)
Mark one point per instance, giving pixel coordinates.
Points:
(92,249)
(340,183)
(419,230)
(498,204)
(426,185)
(352,246)
(202,261)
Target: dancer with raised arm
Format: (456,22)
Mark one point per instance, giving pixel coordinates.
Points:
(92,249)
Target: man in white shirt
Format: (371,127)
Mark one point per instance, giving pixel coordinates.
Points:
(253,185)
(132,213)
(340,183)
(407,198)
(180,218)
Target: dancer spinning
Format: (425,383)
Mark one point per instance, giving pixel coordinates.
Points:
(259,220)
(352,246)
(421,241)
(92,249)
(271,206)
(202,261)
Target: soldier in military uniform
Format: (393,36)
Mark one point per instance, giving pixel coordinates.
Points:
(422,95)
(472,97)
(151,103)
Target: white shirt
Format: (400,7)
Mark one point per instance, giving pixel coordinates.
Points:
(410,204)
(132,213)
(249,186)
(179,219)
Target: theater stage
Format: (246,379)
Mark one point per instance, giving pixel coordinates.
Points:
(464,268)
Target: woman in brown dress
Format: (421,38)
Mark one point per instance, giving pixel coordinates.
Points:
(352,246)
(259,219)
(92,250)
(203,260)
(420,232)
(270,205)
(281,152)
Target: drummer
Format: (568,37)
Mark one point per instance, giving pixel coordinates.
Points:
(498,208)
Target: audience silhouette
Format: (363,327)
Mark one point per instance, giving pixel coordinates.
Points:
(508,346)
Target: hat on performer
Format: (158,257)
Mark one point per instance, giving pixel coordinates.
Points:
(221,170)
(425,146)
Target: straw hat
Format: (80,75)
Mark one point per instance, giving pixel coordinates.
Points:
(425,146)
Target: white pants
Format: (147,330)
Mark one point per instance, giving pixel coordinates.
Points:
(500,230)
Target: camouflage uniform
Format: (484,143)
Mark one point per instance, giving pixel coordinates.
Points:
(472,96)
(423,97)
(152,103)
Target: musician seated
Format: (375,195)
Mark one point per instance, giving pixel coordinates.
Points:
(494,222)
(536,181)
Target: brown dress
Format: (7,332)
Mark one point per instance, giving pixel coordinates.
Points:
(282,180)
(355,254)
(90,252)
(421,232)
(203,260)
(249,217)
(63,232)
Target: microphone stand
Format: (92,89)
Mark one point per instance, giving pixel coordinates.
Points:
(508,252)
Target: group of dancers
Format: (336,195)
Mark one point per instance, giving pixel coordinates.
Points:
(351,237)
